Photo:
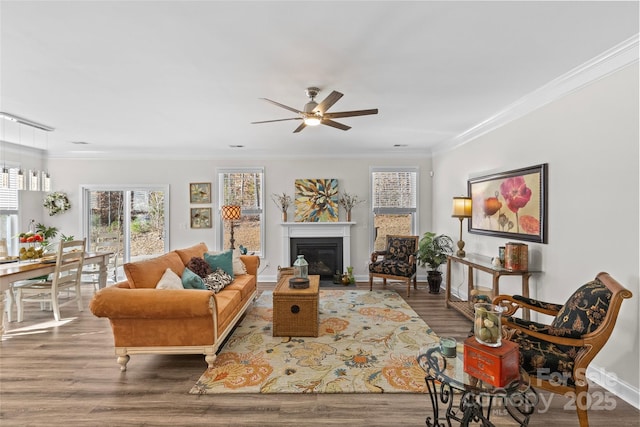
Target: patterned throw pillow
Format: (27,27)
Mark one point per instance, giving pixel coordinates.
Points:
(199,266)
(217,280)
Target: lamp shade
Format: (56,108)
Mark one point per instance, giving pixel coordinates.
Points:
(461,207)
(230,212)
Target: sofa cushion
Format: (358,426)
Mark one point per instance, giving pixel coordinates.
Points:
(199,266)
(238,265)
(245,284)
(147,273)
(170,280)
(193,251)
(191,280)
(223,260)
(228,303)
(217,280)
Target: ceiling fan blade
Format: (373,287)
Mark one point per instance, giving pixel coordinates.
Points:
(277,120)
(340,114)
(299,128)
(334,124)
(283,106)
(328,102)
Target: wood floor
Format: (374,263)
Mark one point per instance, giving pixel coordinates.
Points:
(66,374)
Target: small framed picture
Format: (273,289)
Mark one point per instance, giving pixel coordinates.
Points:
(200,192)
(200,217)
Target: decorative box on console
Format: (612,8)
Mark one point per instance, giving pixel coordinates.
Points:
(497,366)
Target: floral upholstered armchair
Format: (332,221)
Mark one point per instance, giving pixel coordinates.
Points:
(397,262)
(556,356)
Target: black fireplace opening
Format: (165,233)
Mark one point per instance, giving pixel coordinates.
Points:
(324,254)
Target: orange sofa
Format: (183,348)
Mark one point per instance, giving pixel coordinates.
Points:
(173,321)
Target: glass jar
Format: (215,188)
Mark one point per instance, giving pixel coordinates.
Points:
(487,324)
(301,267)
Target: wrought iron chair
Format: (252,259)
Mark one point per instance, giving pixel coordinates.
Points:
(556,356)
(69,259)
(397,262)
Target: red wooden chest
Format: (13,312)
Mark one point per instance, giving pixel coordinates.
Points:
(497,366)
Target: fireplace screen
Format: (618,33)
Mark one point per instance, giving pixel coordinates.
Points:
(324,254)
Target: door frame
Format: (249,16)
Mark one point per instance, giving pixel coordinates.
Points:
(85,189)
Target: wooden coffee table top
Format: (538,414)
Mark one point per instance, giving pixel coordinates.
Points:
(282,288)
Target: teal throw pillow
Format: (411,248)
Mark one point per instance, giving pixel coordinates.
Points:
(191,280)
(223,261)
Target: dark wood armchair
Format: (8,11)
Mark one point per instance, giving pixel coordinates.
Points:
(556,356)
(397,262)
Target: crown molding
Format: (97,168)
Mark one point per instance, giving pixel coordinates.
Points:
(610,61)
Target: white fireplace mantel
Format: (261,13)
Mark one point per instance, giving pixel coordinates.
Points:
(316,229)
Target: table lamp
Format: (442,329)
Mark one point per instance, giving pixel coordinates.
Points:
(231,213)
(461,210)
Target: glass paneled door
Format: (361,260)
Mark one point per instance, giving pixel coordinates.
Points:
(133,220)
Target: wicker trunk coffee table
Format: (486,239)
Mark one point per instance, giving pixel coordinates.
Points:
(295,311)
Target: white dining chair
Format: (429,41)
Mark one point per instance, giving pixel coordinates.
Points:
(67,276)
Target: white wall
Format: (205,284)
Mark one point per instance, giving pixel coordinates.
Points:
(590,141)
(352,175)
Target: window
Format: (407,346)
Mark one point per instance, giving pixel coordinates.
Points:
(243,187)
(394,195)
(138,215)
(9,205)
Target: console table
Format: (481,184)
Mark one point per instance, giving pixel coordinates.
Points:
(482,263)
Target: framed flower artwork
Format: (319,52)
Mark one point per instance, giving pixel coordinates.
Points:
(510,204)
(200,217)
(316,200)
(200,192)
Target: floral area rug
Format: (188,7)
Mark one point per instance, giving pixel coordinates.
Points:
(368,343)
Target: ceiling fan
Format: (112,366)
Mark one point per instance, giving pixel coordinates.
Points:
(314,114)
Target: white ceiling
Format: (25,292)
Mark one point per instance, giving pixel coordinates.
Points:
(178,78)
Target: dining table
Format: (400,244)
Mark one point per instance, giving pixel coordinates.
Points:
(11,272)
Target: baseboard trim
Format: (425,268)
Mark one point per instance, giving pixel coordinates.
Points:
(610,382)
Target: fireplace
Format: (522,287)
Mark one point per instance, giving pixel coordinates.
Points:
(339,232)
(324,254)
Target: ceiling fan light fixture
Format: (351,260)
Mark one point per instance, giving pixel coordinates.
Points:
(312,120)
(309,106)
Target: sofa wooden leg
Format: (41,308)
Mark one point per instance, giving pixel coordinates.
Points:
(210,358)
(122,361)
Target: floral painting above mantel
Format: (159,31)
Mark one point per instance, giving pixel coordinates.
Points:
(511,204)
(316,200)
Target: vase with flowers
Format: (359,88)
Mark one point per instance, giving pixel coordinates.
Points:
(282,201)
(348,202)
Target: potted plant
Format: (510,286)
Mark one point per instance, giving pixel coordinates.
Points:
(432,252)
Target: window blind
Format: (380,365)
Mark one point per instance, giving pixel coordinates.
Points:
(394,191)
(9,197)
